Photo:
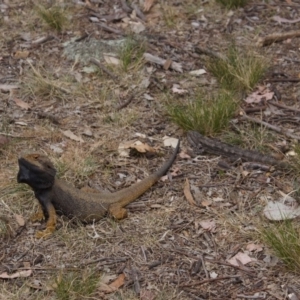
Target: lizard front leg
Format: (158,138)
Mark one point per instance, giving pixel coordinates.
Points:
(50,214)
(51,222)
(38,216)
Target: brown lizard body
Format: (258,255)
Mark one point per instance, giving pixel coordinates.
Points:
(55,195)
(205,144)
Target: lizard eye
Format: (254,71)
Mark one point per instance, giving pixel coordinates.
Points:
(35,156)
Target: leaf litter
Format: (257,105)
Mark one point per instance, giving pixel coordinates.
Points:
(165,237)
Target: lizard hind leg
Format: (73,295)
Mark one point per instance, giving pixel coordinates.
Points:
(117,212)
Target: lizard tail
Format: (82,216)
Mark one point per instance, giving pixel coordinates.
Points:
(128,195)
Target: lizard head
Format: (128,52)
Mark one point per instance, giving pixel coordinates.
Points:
(36,170)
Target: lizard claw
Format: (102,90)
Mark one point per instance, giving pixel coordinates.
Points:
(45,233)
(37,217)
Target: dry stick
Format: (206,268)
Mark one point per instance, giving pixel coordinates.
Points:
(283,80)
(249,296)
(97,63)
(109,29)
(122,105)
(273,127)
(125,6)
(109,260)
(277,37)
(39,41)
(48,116)
(17,136)
(208,52)
(285,107)
(209,280)
(157,60)
(136,279)
(138,12)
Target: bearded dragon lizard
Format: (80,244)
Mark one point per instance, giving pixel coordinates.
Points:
(57,196)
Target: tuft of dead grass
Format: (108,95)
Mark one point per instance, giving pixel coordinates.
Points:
(41,84)
(55,16)
(240,71)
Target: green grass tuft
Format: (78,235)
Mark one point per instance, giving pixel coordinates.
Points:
(208,115)
(54,17)
(131,52)
(74,286)
(233,3)
(240,71)
(284,240)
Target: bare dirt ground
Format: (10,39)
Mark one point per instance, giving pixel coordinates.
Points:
(163,250)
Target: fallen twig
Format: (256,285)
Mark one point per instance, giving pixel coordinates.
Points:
(125,6)
(208,52)
(283,80)
(139,12)
(136,280)
(277,37)
(284,106)
(124,104)
(48,116)
(273,127)
(157,60)
(209,280)
(109,29)
(104,69)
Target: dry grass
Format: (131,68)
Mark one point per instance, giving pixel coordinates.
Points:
(284,240)
(233,3)
(54,17)
(240,71)
(41,84)
(162,227)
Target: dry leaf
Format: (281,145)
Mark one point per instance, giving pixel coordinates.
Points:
(254,247)
(277,211)
(206,202)
(187,193)
(21,54)
(137,145)
(111,60)
(118,282)
(72,136)
(183,155)
(20,220)
(24,273)
(242,258)
(263,93)
(177,90)
(3,140)
(169,141)
(142,147)
(8,87)
(209,225)
(148,4)
(137,27)
(198,72)
(21,103)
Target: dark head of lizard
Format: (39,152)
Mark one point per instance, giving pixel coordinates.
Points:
(37,171)
(57,196)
